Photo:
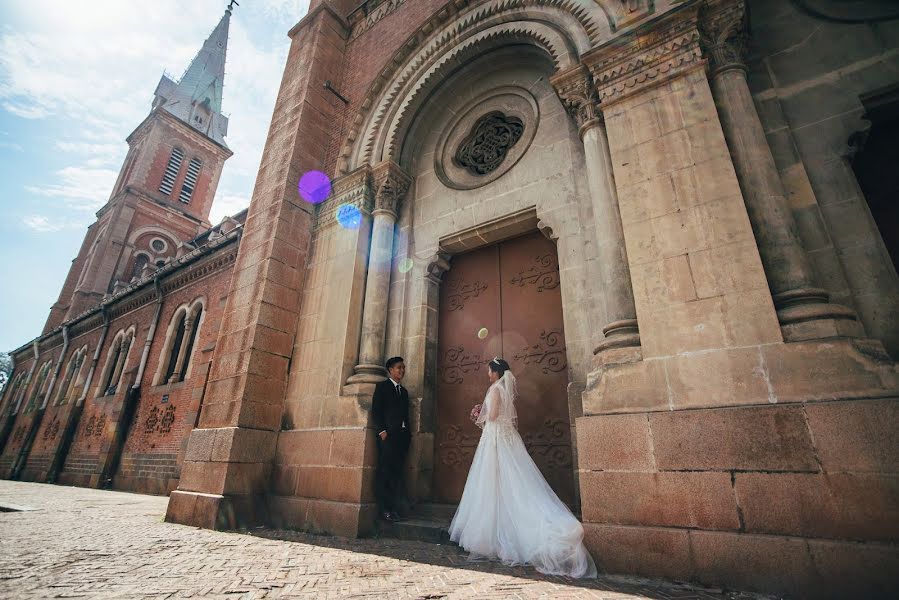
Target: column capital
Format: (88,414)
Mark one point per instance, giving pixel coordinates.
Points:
(391,184)
(651,54)
(578,95)
(724,34)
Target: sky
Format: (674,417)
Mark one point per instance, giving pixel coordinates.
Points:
(76,78)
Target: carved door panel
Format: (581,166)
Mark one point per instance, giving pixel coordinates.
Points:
(510,294)
(469,304)
(533,341)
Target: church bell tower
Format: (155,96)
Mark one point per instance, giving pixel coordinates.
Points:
(165,188)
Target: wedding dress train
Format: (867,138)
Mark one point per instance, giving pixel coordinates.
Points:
(508,511)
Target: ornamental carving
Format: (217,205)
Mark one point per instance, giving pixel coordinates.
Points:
(723,35)
(52,430)
(544,274)
(456,363)
(391,185)
(550,446)
(159,421)
(18,435)
(89,426)
(644,58)
(456,449)
(152,420)
(101,423)
(458,293)
(168,417)
(548,354)
(578,95)
(490,140)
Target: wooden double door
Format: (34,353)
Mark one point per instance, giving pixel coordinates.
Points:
(503,300)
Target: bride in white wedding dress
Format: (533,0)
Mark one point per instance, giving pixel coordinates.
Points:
(508,511)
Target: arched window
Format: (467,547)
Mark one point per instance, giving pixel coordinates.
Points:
(171,171)
(72,375)
(38,391)
(190,180)
(139,263)
(12,393)
(181,338)
(115,363)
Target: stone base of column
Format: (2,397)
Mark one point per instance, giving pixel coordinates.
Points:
(368,374)
(215,511)
(806,314)
(621,343)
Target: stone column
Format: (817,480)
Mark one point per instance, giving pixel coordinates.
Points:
(802,307)
(391,185)
(576,90)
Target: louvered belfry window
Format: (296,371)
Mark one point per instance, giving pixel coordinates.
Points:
(190,180)
(171,171)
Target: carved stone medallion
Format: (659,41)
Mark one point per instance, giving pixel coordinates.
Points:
(489,142)
(488,137)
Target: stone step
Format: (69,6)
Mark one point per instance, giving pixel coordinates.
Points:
(434,511)
(415,529)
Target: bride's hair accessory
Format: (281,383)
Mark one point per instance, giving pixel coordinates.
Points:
(498,365)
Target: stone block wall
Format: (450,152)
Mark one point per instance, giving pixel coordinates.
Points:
(807,75)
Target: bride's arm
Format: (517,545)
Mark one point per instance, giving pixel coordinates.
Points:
(494,401)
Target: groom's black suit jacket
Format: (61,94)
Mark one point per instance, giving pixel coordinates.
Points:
(389,410)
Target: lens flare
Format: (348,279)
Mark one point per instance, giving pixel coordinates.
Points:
(349,216)
(406,265)
(482,333)
(314,187)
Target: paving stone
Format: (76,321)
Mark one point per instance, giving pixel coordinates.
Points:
(85,543)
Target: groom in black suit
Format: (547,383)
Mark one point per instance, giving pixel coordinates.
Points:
(390,415)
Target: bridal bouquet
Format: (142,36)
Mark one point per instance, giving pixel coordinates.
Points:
(475,412)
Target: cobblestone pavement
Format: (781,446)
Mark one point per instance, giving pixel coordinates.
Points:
(82,543)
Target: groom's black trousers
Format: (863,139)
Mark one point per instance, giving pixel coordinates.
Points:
(389,474)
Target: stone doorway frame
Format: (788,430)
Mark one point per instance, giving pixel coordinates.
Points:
(420,463)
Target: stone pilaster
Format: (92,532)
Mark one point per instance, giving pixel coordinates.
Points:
(575,89)
(802,306)
(391,185)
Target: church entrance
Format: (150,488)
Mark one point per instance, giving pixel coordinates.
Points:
(503,300)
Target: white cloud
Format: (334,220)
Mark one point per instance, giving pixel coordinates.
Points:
(43,224)
(12,146)
(79,188)
(227,205)
(96,65)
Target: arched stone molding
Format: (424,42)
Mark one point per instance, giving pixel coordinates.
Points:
(168,236)
(188,310)
(564,29)
(114,370)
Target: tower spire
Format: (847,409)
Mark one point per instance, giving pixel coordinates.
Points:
(196,98)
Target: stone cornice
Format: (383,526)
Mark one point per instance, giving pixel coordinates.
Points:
(353,189)
(391,184)
(649,55)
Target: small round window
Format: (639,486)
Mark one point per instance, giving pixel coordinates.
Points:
(158,245)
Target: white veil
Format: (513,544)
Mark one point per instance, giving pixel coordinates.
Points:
(506,392)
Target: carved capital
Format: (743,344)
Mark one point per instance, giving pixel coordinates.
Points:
(647,56)
(391,184)
(724,34)
(578,95)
